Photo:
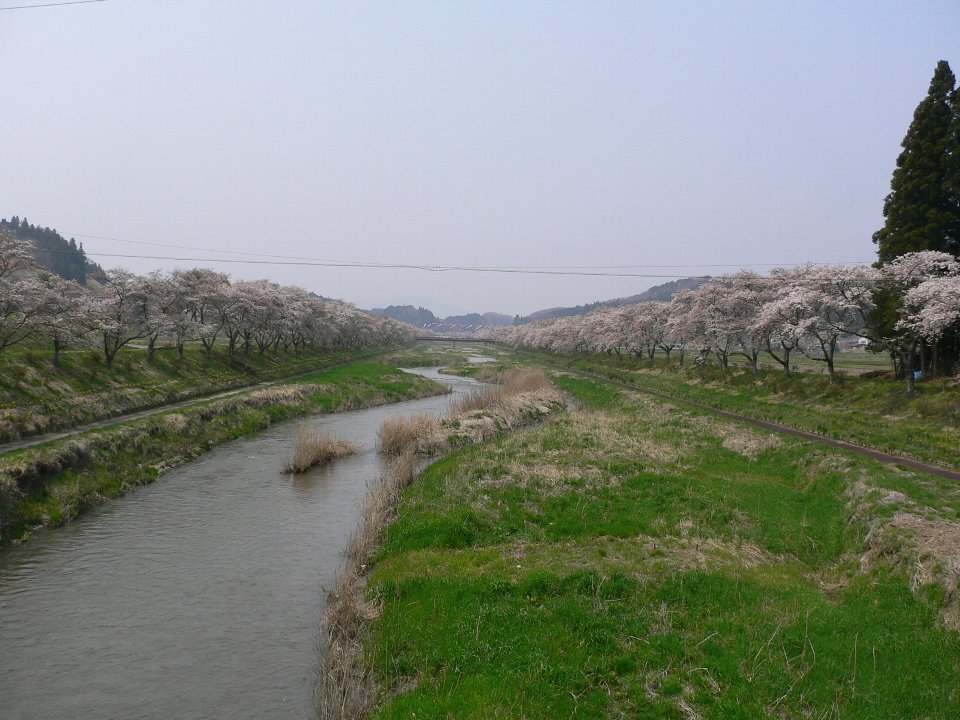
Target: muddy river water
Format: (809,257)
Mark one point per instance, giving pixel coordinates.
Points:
(195,597)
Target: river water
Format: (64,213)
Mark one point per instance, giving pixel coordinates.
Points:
(198,596)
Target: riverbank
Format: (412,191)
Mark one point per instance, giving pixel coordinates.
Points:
(50,484)
(347,684)
(636,559)
(36,397)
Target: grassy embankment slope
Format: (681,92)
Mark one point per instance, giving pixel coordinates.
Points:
(636,559)
(51,483)
(36,397)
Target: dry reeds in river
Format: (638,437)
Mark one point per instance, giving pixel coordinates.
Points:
(312,446)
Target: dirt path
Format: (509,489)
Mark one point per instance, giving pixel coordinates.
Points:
(883,457)
(140,414)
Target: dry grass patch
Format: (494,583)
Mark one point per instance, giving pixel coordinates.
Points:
(606,431)
(314,446)
(509,384)
(479,399)
(398,435)
(927,548)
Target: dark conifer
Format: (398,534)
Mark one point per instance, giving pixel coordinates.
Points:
(920,212)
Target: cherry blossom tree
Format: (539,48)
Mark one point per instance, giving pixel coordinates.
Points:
(63,312)
(117,313)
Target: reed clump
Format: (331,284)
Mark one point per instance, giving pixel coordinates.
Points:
(403,434)
(314,446)
(479,399)
(509,384)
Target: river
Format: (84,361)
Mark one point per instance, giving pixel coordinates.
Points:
(198,596)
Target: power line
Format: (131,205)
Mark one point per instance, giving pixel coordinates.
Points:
(53,4)
(358,263)
(404,266)
(386,266)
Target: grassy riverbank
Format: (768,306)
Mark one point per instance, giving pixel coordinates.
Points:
(36,397)
(636,559)
(51,483)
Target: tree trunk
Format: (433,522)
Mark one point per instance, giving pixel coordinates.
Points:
(107,355)
(151,346)
(907,362)
(56,351)
(897,359)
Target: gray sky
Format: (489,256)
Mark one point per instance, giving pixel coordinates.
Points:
(465,133)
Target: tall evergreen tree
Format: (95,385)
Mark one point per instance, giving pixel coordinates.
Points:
(922,211)
(952,177)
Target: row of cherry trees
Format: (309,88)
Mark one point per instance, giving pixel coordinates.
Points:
(177,308)
(802,310)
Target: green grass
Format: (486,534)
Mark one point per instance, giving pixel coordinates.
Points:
(36,397)
(49,484)
(874,412)
(633,559)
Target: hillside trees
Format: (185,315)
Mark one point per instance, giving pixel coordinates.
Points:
(52,251)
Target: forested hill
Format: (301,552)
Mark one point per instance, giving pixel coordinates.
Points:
(53,251)
(407,313)
(663,292)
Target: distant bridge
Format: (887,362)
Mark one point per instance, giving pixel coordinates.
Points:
(455,339)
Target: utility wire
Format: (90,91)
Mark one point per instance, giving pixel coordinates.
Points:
(357,263)
(393,266)
(403,266)
(53,4)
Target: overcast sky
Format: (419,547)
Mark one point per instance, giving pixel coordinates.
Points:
(464,133)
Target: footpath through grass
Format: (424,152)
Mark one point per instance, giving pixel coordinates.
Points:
(635,559)
(51,483)
(36,397)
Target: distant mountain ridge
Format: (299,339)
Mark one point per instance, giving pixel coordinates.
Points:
(663,293)
(425,319)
